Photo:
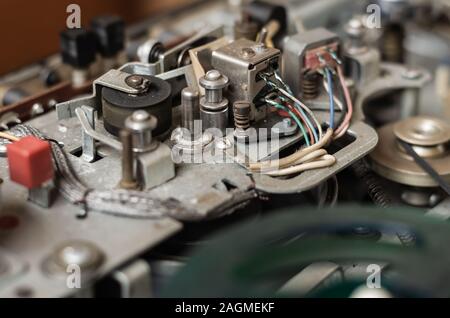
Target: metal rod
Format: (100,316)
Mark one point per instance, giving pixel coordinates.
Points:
(128,179)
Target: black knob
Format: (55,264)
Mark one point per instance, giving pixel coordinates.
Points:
(78,47)
(110,34)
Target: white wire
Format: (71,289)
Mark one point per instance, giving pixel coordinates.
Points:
(323,162)
(302,105)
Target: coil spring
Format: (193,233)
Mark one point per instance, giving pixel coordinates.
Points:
(379,196)
(310,85)
(392,44)
(241,111)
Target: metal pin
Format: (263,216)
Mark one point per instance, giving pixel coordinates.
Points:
(262,36)
(190,100)
(334,56)
(321,59)
(128,180)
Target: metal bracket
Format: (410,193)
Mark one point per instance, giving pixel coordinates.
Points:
(88,143)
(89,131)
(134,280)
(42,195)
(366,139)
(115,79)
(392,78)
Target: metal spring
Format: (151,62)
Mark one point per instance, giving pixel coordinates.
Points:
(241,111)
(392,44)
(310,85)
(379,196)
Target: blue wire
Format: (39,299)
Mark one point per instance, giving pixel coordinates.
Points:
(330,93)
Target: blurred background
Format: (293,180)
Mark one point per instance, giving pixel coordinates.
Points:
(23,24)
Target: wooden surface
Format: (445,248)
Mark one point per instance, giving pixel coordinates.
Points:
(29,30)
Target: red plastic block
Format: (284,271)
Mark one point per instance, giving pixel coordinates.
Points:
(30,162)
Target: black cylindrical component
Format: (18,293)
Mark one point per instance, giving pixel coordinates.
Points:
(78,47)
(156,100)
(392,43)
(11,95)
(110,34)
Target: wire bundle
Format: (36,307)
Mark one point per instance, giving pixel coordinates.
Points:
(313,156)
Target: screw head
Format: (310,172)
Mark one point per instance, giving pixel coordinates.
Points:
(137,81)
(37,109)
(412,74)
(82,253)
(287,122)
(248,52)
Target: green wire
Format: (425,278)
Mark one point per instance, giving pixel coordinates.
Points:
(299,124)
(300,109)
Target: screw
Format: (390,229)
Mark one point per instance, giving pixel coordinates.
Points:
(37,109)
(137,82)
(412,74)
(52,103)
(82,253)
(287,122)
(248,53)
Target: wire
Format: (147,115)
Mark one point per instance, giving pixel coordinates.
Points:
(286,109)
(337,101)
(331,95)
(289,160)
(342,117)
(311,157)
(302,107)
(422,163)
(298,104)
(324,162)
(299,114)
(8,136)
(340,131)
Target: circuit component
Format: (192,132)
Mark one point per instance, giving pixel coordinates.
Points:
(307,52)
(30,162)
(243,62)
(78,47)
(110,34)
(213,115)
